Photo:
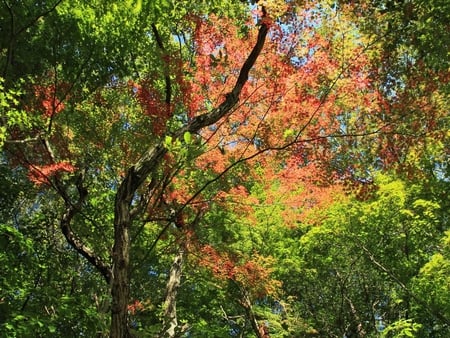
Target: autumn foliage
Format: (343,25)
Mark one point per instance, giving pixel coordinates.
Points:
(225,154)
(42,174)
(50,103)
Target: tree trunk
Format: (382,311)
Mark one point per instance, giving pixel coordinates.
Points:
(135,177)
(170,322)
(120,283)
(259,330)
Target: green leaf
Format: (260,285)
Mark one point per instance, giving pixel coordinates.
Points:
(187,137)
(168,141)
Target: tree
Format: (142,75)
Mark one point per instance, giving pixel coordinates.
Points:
(46,164)
(352,267)
(413,31)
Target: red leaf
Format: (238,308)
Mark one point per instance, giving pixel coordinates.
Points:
(41,174)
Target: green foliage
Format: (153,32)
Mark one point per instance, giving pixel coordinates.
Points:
(361,264)
(15,119)
(413,30)
(39,295)
(301,269)
(401,329)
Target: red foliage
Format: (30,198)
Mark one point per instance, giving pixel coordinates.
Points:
(251,272)
(135,307)
(152,104)
(219,263)
(50,104)
(278,96)
(42,174)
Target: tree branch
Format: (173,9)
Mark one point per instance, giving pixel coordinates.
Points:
(151,158)
(39,16)
(165,67)
(134,178)
(232,98)
(80,247)
(74,241)
(14,35)
(381,267)
(245,302)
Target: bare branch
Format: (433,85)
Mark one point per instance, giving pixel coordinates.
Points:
(13,34)
(39,16)
(80,247)
(26,140)
(151,158)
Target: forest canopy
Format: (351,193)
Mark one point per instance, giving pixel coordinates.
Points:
(271,168)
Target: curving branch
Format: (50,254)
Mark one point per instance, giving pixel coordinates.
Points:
(150,159)
(232,98)
(138,173)
(72,238)
(71,210)
(80,247)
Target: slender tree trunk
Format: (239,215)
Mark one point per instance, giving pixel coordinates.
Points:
(259,330)
(170,322)
(120,283)
(356,326)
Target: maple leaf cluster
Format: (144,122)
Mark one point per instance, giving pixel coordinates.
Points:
(50,104)
(283,105)
(253,273)
(135,307)
(42,174)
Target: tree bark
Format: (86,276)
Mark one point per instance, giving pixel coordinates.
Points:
(71,209)
(120,281)
(170,322)
(120,289)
